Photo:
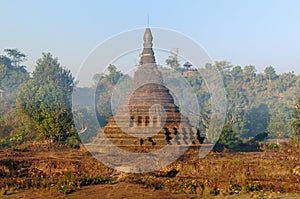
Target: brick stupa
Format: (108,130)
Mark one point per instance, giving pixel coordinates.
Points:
(149,119)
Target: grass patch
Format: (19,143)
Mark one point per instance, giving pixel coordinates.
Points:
(70,182)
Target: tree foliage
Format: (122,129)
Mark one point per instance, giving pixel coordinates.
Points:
(252,108)
(14,128)
(296,120)
(270,73)
(16,57)
(12,72)
(104,89)
(228,138)
(46,99)
(257,102)
(173,61)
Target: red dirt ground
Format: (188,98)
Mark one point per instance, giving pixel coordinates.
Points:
(34,172)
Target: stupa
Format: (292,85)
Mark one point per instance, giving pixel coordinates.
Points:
(149,119)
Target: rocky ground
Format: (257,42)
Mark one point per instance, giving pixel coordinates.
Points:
(52,171)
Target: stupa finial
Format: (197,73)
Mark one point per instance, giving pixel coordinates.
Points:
(147,56)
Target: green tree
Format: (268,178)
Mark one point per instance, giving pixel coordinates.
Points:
(249,73)
(105,86)
(296,121)
(228,139)
(172,60)
(13,127)
(46,99)
(86,123)
(296,91)
(12,73)
(270,73)
(15,56)
(237,72)
(286,80)
(224,67)
(258,119)
(114,75)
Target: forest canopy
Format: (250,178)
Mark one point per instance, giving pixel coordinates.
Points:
(38,106)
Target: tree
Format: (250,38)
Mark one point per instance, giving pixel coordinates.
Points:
(249,73)
(12,73)
(96,78)
(296,121)
(237,72)
(86,123)
(15,56)
(228,138)
(104,89)
(258,119)
(114,75)
(224,67)
(13,127)
(46,99)
(172,60)
(270,73)
(286,80)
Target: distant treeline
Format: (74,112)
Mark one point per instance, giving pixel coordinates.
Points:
(38,106)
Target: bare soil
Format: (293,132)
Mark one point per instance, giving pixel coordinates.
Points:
(43,171)
(120,190)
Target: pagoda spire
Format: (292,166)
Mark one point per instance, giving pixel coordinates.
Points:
(147,56)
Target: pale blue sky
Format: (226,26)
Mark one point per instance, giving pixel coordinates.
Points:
(261,33)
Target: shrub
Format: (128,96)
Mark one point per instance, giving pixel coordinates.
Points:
(269,146)
(253,187)
(70,182)
(73,142)
(228,139)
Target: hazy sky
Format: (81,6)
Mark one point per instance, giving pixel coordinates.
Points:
(261,33)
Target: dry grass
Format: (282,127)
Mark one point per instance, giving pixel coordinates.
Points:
(258,175)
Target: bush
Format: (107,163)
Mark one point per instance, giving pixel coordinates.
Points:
(73,142)
(294,145)
(261,136)
(228,139)
(269,146)
(253,187)
(14,140)
(71,182)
